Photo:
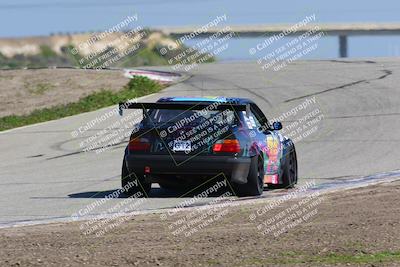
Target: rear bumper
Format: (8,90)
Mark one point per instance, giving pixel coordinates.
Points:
(235,169)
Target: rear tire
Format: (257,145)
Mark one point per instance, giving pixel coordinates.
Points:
(129,178)
(290,172)
(255,179)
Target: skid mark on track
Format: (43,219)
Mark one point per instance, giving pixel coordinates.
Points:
(353,62)
(112,146)
(386,74)
(236,87)
(362,116)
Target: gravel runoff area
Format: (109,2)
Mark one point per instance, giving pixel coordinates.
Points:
(358,227)
(23,91)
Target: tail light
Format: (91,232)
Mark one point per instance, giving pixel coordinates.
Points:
(139,144)
(227,145)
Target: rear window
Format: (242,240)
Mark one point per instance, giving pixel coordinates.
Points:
(190,117)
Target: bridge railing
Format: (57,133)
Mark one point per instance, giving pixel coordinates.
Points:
(342,31)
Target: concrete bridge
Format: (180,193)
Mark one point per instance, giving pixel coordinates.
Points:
(342,31)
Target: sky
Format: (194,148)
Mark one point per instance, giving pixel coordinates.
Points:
(21,18)
(44,17)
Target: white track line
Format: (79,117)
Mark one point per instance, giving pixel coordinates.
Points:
(385,177)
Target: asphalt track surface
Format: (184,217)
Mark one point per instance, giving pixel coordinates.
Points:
(44,174)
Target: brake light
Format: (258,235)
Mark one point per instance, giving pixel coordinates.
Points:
(139,144)
(227,145)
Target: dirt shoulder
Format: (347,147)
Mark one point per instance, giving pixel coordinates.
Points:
(358,227)
(23,91)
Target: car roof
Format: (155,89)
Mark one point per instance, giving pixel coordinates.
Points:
(230,100)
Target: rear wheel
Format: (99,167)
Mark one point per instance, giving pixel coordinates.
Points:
(290,172)
(255,179)
(132,184)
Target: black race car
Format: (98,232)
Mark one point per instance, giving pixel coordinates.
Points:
(182,141)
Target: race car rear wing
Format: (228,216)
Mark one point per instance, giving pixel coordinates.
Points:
(185,106)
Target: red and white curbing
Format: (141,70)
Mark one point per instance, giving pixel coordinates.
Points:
(159,76)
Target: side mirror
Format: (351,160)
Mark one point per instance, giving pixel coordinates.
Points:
(277,125)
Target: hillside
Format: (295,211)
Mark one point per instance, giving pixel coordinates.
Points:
(137,47)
